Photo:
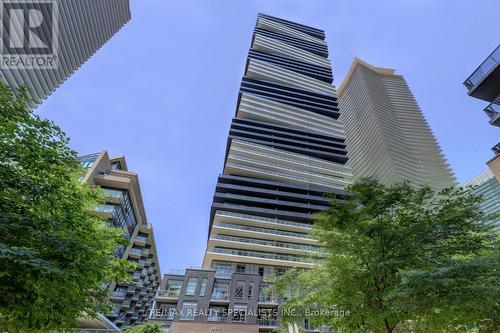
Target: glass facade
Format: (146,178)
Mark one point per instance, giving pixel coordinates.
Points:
(487,186)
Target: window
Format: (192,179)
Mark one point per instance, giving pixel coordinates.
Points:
(120,292)
(217,313)
(116,165)
(223,269)
(191,287)
(240,287)
(280,271)
(221,291)
(240,268)
(188,310)
(286,295)
(170,313)
(250,290)
(203,287)
(174,288)
(261,271)
(239,313)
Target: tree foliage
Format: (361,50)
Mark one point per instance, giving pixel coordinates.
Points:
(401,259)
(144,328)
(55,254)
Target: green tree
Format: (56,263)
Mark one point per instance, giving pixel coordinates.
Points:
(144,328)
(56,255)
(401,259)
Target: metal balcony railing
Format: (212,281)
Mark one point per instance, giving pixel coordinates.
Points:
(263,255)
(268,299)
(169,293)
(484,69)
(493,112)
(220,295)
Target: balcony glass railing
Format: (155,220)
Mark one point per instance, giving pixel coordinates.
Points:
(264,230)
(264,219)
(262,255)
(119,293)
(220,295)
(488,64)
(136,251)
(307,248)
(493,112)
(169,293)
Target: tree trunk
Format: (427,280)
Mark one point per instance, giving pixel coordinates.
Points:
(388,327)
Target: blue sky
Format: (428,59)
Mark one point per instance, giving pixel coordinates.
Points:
(163,90)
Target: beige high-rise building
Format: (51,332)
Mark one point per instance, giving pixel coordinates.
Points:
(124,208)
(387,135)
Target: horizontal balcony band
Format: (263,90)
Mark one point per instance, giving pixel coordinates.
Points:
(259,211)
(280,119)
(265,71)
(226,216)
(264,245)
(273,46)
(247,150)
(316,48)
(318,33)
(308,167)
(245,230)
(255,107)
(252,171)
(327,155)
(317,72)
(235,161)
(302,99)
(309,189)
(278,27)
(276,137)
(287,132)
(273,194)
(240,199)
(263,255)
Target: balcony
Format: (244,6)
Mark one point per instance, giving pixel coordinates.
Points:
(496,148)
(220,296)
(118,294)
(135,253)
(484,82)
(141,240)
(493,112)
(249,244)
(260,257)
(126,304)
(168,294)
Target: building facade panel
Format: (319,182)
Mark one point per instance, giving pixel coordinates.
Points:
(386,133)
(83,27)
(123,208)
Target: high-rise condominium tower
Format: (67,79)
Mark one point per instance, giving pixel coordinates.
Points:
(124,209)
(285,150)
(386,133)
(73,29)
